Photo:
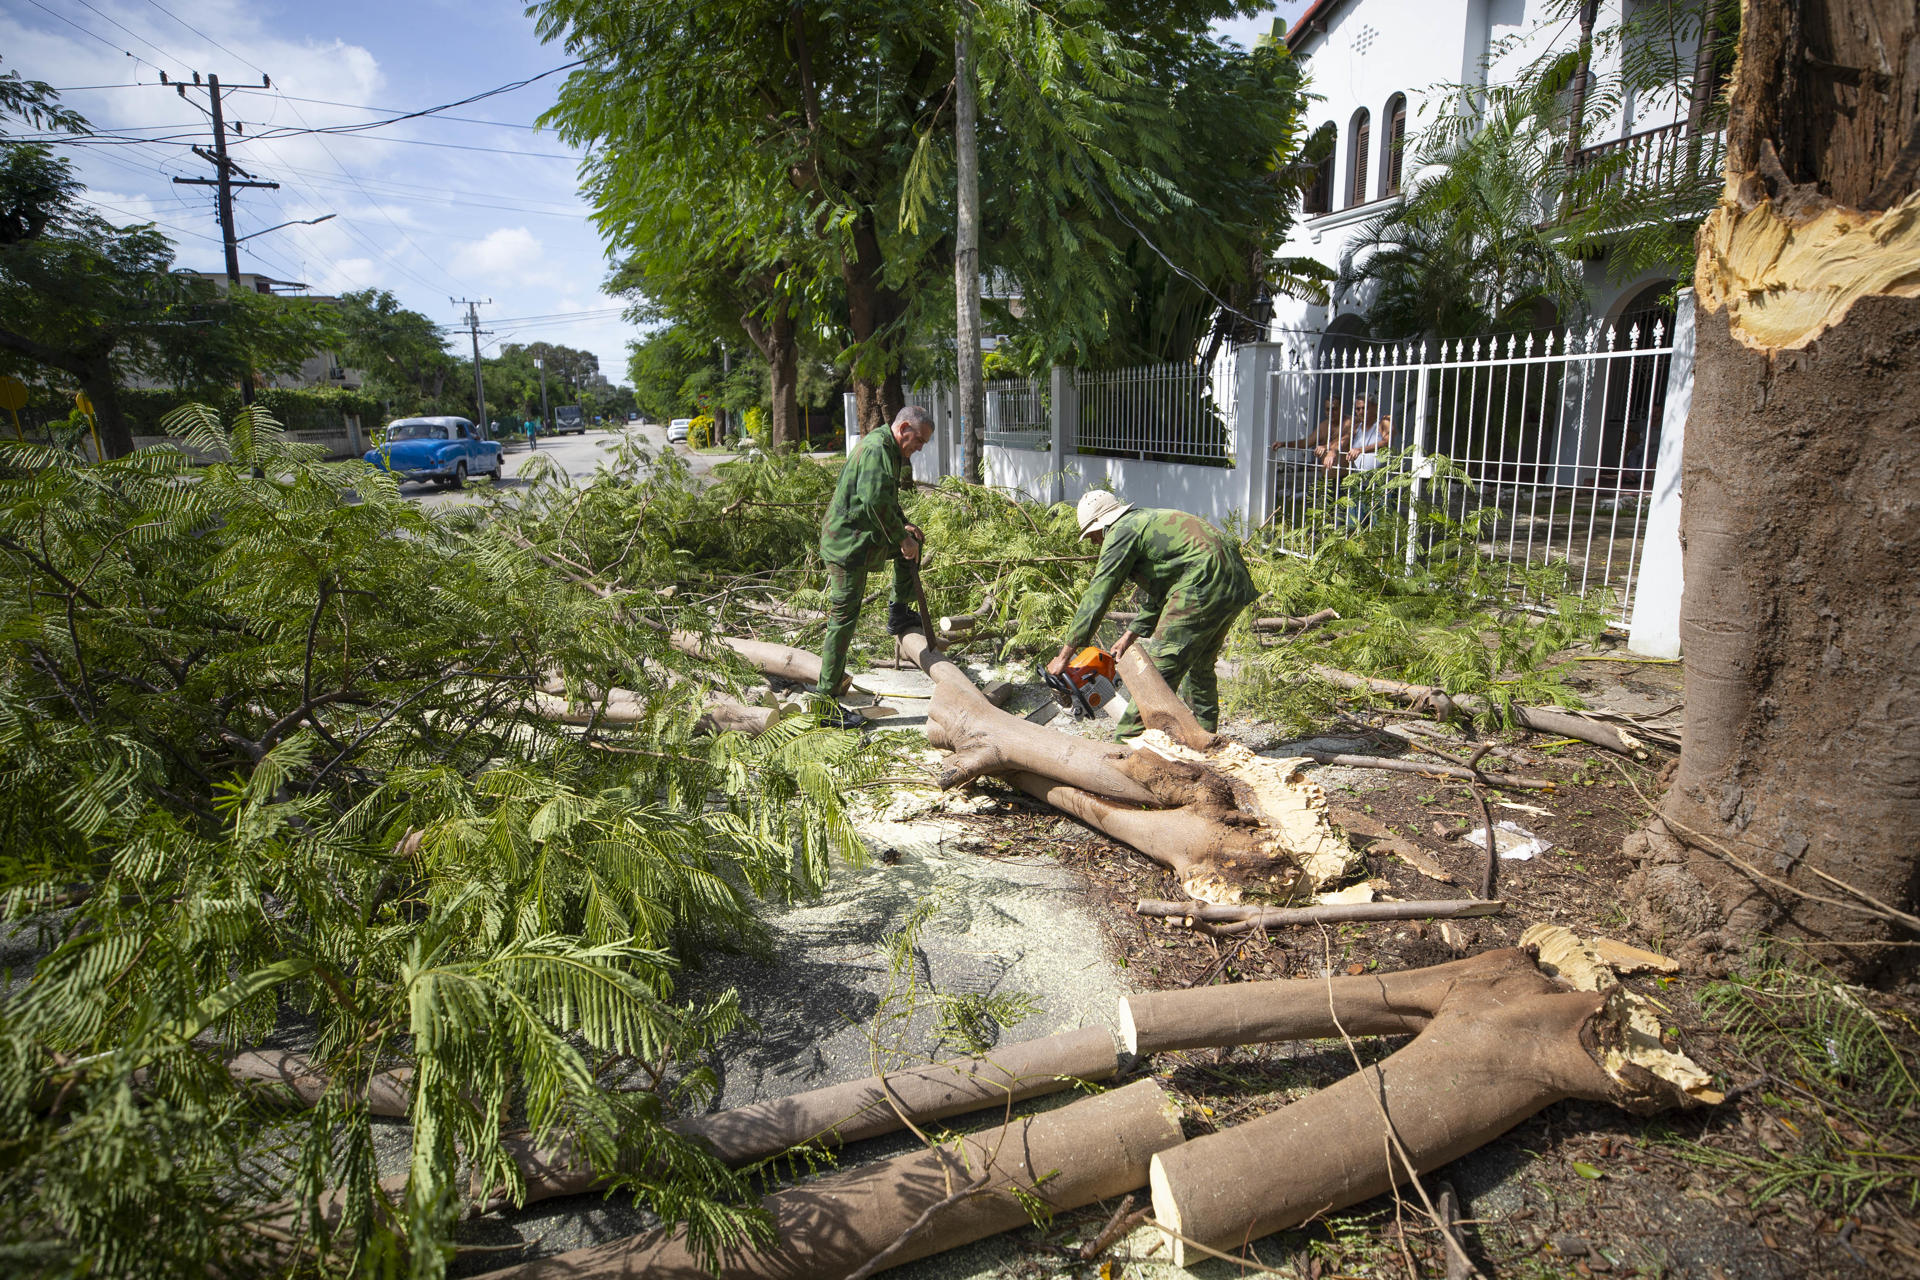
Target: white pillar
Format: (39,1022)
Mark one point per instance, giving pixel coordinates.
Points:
(1253,411)
(1655,628)
(852,416)
(1064,435)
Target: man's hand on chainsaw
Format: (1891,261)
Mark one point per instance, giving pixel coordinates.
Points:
(1060,660)
(1124,643)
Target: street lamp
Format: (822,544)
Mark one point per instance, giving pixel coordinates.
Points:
(297,222)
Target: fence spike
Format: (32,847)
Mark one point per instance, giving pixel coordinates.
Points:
(1613,335)
(1633,337)
(1659,332)
(1528,349)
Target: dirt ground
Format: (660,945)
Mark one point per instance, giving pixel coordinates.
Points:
(1578,1189)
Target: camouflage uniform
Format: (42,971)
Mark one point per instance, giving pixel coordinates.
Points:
(1193,584)
(863,527)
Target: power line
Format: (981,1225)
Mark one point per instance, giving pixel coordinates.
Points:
(196,31)
(130,31)
(397,112)
(87,31)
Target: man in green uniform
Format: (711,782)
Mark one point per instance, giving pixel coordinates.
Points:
(1193,584)
(864,528)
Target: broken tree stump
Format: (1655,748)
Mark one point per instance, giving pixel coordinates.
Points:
(917,1204)
(1495,1040)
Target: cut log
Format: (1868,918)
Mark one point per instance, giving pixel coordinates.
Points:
(859,1109)
(1496,1040)
(781,660)
(1159,706)
(918,1204)
(1550,720)
(387,1093)
(1331,913)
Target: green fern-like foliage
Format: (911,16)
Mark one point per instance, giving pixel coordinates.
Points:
(272,778)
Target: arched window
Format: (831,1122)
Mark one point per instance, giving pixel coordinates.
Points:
(1361,143)
(1393,142)
(1318,198)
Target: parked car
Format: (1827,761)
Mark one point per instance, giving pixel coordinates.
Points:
(678,430)
(568,417)
(443,450)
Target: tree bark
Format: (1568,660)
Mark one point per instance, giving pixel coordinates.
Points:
(970,384)
(872,314)
(1496,1041)
(1798,787)
(918,1204)
(1200,822)
(777,338)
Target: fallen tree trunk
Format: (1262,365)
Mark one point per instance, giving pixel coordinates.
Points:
(859,1109)
(1330,913)
(1204,824)
(1564,724)
(623,707)
(1495,1041)
(917,1204)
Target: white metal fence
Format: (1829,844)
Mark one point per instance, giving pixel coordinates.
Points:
(1018,416)
(1158,413)
(1537,448)
(1554,457)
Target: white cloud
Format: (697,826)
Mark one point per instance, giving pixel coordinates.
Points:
(511,255)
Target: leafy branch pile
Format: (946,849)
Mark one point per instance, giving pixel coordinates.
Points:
(272,781)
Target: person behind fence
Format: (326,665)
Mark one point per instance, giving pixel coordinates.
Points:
(863,529)
(1372,435)
(1193,583)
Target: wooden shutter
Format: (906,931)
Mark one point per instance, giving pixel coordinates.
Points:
(1362,138)
(1396,145)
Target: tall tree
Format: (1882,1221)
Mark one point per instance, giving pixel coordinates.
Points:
(966,257)
(400,352)
(1798,790)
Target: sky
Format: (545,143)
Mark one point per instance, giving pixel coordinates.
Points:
(472,203)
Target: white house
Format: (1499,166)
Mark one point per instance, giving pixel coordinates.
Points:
(1384,68)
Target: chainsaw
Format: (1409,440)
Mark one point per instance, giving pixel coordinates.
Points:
(1085,686)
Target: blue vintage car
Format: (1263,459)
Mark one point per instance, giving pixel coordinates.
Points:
(443,450)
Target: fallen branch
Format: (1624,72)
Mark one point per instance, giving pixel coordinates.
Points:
(1306,622)
(1442,706)
(1330,913)
(967,1190)
(1506,780)
(857,1110)
(386,1093)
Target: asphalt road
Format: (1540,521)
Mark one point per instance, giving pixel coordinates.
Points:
(575,455)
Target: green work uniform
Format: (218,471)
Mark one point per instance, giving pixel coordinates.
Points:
(864,527)
(1193,584)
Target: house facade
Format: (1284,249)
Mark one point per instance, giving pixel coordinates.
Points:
(1385,69)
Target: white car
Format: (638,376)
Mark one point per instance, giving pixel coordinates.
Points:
(678,430)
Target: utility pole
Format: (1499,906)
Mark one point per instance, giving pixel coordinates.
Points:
(726,371)
(473,327)
(224,169)
(546,421)
(972,392)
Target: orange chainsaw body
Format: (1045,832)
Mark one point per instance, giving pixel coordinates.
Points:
(1086,685)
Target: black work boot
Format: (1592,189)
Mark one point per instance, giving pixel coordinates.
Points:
(904,618)
(834,716)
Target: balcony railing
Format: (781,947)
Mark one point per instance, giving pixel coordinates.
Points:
(1667,163)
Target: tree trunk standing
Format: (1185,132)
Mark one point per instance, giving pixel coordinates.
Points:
(872,313)
(777,340)
(966,260)
(1801,755)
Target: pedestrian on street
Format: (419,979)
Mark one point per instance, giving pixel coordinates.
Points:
(1193,583)
(533,435)
(863,529)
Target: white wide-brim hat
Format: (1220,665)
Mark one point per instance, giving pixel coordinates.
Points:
(1098,509)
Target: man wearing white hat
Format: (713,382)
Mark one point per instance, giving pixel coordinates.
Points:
(1193,583)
